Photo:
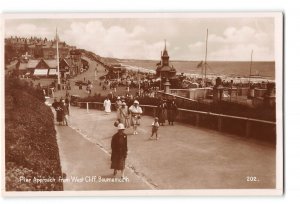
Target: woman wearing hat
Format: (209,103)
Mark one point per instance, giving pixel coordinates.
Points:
(118,103)
(60,112)
(123,115)
(171,112)
(161,111)
(119,150)
(135,113)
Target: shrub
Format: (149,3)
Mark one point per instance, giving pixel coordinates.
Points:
(30,139)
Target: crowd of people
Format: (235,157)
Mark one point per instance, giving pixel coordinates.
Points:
(129,115)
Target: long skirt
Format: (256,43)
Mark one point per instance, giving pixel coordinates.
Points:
(59,116)
(107,109)
(161,116)
(125,121)
(171,115)
(117,163)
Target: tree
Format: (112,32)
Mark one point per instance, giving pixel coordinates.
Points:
(9,53)
(26,49)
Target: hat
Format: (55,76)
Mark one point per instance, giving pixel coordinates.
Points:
(121,126)
(118,98)
(123,104)
(156,118)
(136,102)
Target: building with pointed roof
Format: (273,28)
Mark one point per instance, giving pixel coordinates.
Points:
(164,70)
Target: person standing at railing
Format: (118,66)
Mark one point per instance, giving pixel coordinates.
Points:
(135,115)
(107,105)
(161,111)
(171,112)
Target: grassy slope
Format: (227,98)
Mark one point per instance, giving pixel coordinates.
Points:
(30,140)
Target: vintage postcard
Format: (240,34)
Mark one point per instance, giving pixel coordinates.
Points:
(114,104)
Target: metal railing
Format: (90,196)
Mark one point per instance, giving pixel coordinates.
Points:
(249,127)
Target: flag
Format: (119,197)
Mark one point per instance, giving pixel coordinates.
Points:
(200,64)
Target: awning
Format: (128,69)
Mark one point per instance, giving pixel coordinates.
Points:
(52,72)
(40,72)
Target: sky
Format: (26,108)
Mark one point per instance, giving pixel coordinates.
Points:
(229,39)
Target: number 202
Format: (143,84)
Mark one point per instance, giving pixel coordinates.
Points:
(251,178)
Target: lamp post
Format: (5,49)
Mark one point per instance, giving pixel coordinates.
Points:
(139,82)
(57,61)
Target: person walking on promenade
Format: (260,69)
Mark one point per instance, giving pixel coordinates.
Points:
(119,150)
(135,113)
(155,126)
(55,105)
(171,112)
(123,115)
(118,103)
(161,113)
(64,112)
(67,101)
(60,112)
(107,105)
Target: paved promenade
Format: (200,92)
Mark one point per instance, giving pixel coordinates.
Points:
(185,157)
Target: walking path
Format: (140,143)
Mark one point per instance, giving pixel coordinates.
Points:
(185,157)
(87,165)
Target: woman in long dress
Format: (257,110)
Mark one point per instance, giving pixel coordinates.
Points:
(123,115)
(172,112)
(55,105)
(119,150)
(107,106)
(161,113)
(60,112)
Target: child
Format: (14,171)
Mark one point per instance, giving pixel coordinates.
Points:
(155,126)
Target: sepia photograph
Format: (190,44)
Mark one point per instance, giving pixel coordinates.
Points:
(142,104)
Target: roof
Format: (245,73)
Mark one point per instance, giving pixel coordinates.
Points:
(23,66)
(165,53)
(67,61)
(48,44)
(32,63)
(52,63)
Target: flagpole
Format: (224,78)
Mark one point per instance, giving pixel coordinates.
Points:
(139,82)
(205,59)
(57,60)
(250,67)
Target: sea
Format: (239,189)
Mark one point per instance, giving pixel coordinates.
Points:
(227,70)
